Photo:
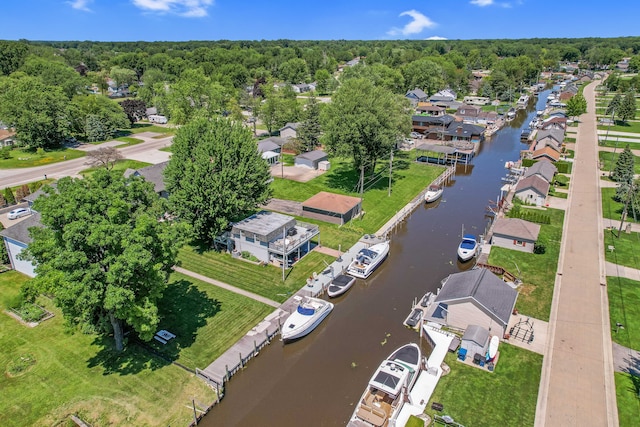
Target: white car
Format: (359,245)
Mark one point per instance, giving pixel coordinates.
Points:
(17,213)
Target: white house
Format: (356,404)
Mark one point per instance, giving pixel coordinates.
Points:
(515,233)
(532,190)
(16,238)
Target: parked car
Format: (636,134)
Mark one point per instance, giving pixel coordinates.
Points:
(17,213)
(416,135)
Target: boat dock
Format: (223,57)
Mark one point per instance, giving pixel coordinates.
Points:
(428,379)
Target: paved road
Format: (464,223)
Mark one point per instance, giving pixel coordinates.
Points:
(577,387)
(145,152)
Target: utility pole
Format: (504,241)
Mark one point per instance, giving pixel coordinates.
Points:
(361,187)
(390,172)
(624,210)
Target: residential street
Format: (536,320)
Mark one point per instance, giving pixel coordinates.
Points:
(147,151)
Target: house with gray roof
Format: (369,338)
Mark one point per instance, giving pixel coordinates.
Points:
(543,168)
(270,151)
(515,233)
(15,239)
(475,340)
(311,159)
(532,189)
(273,237)
(290,130)
(152,174)
(474,297)
(417,95)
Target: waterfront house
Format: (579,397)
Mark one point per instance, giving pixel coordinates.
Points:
(290,130)
(468,113)
(532,190)
(545,153)
(515,233)
(311,159)
(15,239)
(430,110)
(331,207)
(457,131)
(474,297)
(543,168)
(554,122)
(431,127)
(152,174)
(273,237)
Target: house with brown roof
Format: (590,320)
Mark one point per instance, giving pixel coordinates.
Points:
(515,233)
(7,137)
(532,190)
(547,153)
(331,207)
(555,122)
(430,110)
(468,113)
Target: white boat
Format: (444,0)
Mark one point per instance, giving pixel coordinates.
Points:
(434,192)
(368,259)
(340,285)
(511,114)
(522,101)
(309,313)
(468,247)
(388,389)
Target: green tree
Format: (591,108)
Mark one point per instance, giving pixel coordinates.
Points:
(280,107)
(55,73)
(309,130)
(4,257)
(122,76)
(576,105)
(40,113)
(103,253)
(424,74)
(364,122)
(294,71)
(323,81)
(215,175)
(98,117)
(627,109)
(12,56)
(9,196)
(195,94)
(614,105)
(624,168)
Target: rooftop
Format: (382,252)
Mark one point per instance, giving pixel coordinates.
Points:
(264,223)
(332,202)
(20,231)
(517,228)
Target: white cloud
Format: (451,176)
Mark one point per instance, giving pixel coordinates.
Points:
(186,8)
(416,26)
(80,4)
(482,3)
(436,38)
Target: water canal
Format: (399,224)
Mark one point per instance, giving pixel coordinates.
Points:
(317,380)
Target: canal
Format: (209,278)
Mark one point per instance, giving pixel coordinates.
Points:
(317,380)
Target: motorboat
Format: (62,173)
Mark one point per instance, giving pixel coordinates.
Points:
(368,259)
(468,247)
(522,101)
(388,389)
(339,285)
(434,192)
(511,114)
(308,314)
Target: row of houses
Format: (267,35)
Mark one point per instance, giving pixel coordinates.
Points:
(533,187)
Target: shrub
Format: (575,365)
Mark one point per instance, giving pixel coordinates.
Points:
(5,153)
(539,248)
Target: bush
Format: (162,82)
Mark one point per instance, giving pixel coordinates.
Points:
(40,152)
(5,153)
(9,197)
(539,248)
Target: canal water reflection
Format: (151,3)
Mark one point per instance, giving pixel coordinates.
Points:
(317,380)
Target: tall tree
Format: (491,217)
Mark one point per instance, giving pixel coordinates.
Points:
(55,73)
(135,109)
(364,122)
(614,105)
(624,168)
(97,117)
(103,253)
(309,130)
(195,94)
(424,74)
(12,56)
(576,105)
(215,175)
(122,76)
(627,108)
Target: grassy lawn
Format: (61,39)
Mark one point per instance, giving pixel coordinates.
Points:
(627,390)
(510,391)
(205,319)
(263,280)
(626,248)
(612,209)
(147,127)
(633,127)
(612,142)
(128,141)
(27,158)
(168,149)
(608,161)
(120,166)
(624,307)
(79,373)
(537,271)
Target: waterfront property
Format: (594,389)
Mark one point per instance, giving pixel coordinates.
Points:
(533,190)
(475,340)
(332,207)
(515,233)
(543,168)
(273,237)
(474,297)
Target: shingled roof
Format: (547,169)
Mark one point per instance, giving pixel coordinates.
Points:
(20,231)
(516,228)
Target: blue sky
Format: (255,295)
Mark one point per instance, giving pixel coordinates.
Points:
(152,20)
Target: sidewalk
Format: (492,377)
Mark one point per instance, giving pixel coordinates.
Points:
(622,271)
(577,386)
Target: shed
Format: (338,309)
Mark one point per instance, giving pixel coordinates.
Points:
(16,238)
(271,157)
(331,207)
(475,340)
(311,159)
(515,233)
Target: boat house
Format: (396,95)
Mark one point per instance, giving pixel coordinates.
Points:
(515,233)
(473,297)
(331,207)
(272,237)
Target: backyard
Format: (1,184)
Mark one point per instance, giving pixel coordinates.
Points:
(537,271)
(53,372)
(510,392)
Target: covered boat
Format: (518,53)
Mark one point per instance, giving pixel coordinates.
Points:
(308,314)
(340,285)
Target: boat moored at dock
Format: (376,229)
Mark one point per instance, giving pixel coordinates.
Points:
(339,285)
(434,192)
(468,247)
(368,259)
(308,315)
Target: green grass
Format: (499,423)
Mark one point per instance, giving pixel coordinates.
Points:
(624,307)
(262,280)
(29,158)
(79,373)
(510,392)
(205,319)
(611,208)
(626,248)
(632,127)
(627,392)
(608,161)
(128,141)
(147,127)
(538,271)
(168,149)
(120,166)
(614,143)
